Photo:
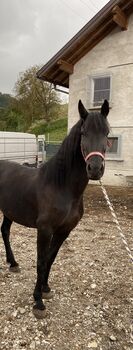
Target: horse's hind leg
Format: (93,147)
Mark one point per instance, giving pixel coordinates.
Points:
(5,229)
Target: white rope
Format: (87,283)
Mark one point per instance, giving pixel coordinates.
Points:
(117,222)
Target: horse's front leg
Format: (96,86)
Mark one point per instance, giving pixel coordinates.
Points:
(44,236)
(56,242)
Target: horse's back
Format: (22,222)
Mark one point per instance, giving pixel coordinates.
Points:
(9,166)
(14,175)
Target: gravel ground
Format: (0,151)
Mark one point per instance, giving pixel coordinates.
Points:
(91,279)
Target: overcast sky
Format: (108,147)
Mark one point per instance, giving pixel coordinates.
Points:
(32,31)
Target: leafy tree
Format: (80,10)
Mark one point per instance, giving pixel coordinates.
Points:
(10,118)
(5,100)
(35,99)
(11,121)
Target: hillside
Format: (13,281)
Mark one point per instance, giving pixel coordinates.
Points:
(53,131)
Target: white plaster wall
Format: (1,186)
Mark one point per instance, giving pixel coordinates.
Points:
(115,49)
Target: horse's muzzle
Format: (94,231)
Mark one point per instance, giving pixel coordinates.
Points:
(95,169)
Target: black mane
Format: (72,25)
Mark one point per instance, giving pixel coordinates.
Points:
(58,168)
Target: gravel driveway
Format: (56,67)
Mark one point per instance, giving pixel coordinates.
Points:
(91,278)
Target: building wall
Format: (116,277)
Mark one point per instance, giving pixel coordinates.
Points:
(113,56)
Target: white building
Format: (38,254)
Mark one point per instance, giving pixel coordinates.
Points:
(96,64)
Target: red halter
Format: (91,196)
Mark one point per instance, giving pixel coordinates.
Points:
(96,153)
(93,154)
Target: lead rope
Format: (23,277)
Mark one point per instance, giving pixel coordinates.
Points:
(117,222)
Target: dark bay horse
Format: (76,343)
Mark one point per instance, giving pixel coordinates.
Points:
(50,198)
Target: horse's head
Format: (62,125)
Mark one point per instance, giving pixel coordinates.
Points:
(94,138)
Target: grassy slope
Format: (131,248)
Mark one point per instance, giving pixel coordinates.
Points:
(57,129)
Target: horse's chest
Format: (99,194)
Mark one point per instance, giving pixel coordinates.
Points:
(71,215)
(63,213)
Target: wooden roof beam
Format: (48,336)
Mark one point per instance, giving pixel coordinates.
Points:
(79,49)
(65,66)
(120,18)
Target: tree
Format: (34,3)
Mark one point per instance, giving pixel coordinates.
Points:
(35,99)
(9,119)
(5,100)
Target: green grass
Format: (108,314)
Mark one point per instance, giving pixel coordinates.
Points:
(55,130)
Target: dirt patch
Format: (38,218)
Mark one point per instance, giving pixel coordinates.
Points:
(91,278)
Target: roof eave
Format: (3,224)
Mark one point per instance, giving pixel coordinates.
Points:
(51,70)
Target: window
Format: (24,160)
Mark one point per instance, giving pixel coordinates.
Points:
(40,146)
(114,149)
(101,89)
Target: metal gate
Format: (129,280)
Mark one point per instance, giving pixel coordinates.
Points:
(52,148)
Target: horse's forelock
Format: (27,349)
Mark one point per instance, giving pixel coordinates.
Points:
(96,123)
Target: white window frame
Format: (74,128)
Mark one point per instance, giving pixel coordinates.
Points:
(116,155)
(91,89)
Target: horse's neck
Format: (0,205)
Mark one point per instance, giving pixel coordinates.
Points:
(71,159)
(67,169)
(78,179)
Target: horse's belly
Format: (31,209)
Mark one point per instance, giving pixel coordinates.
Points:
(25,217)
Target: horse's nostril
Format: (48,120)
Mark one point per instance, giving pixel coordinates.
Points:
(102,167)
(88,167)
(91,168)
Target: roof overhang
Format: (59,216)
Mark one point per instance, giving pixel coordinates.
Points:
(58,68)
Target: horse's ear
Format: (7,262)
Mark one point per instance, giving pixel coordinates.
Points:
(105,108)
(82,111)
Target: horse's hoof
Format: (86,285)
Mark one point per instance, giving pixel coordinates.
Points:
(48,295)
(39,313)
(46,288)
(14,269)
